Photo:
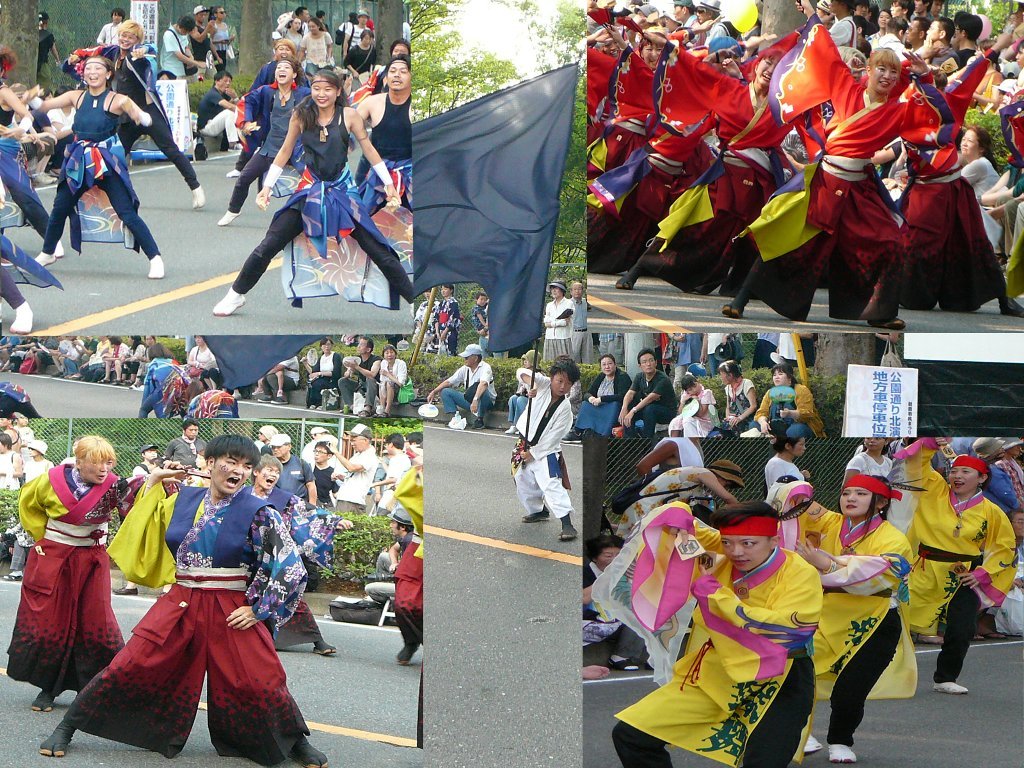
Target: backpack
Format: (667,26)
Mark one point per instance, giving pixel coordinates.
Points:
(28,365)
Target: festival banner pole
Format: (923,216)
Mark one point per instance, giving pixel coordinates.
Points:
(423,328)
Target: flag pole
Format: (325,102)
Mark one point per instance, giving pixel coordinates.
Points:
(536,362)
(423,328)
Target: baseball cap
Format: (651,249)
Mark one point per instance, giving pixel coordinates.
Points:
(280,439)
(472,349)
(199,9)
(317,431)
(149,447)
(361,430)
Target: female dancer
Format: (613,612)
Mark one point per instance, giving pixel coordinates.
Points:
(863,635)
(965,555)
(96,158)
(695,249)
(326,205)
(837,223)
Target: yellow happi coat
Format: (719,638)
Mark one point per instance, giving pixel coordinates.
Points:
(851,615)
(714,700)
(986,534)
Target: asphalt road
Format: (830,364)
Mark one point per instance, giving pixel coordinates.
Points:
(502,676)
(60,398)
(105,287)
(362,688)
(930,730)
(654,304)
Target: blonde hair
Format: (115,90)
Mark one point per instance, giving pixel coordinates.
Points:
(132,27)
(94,448)
(886,57)
(285,41)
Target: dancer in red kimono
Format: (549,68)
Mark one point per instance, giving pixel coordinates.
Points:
(694,249)
(65,631)
(835,220)
(948,259)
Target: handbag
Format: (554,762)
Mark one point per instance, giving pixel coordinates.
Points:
(891,358)
(189,71)
(406,393)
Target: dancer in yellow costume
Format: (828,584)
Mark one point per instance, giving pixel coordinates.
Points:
(862,648)
(744,689)
(965,558)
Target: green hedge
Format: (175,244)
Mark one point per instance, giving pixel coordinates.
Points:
(990,122)
(196,91)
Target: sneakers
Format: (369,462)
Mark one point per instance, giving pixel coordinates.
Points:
(405,655)
(457,422)
(840,753)
(198,198)
(477,423)
(573,437)
(229,304)
(127,591)
(156,268)
(14,576)
(58,252)
(261,397)
(537,517)
(812,745)
(512,430)
(233,174)
(45,259)
(227,218)
(953,688)
(279,398)
(22,322)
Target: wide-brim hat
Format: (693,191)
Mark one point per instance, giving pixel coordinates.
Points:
(727,471)
(714,6)
(558,284)
(399,515)
(37,445)
(988,447)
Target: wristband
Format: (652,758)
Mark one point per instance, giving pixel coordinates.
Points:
(145,120)
(273,174)
(381,169)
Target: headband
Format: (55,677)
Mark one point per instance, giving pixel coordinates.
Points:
(873,484)
(972,463)
(752,526)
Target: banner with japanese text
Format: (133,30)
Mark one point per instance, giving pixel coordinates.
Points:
(880,402)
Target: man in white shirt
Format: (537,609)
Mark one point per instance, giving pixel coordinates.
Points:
(539,469)
(108,34)
(682,11)
(351,494)
(398,465)
(176,50)
(477,379)
(319,435)
(283,377)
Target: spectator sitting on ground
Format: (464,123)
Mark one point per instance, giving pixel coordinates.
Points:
(795,408)
(654,398)
(202,361)
(741,399)
(394,373)
(325,374)
(628,653)
(397,465)
(471,388)
(517,402)
(361,375)
(92,371)
(599,413)
(701,421)
(216,112)
(114,359)
(404,534)
(160,367)
(188,449)
(360,469)
(283,377)
(69,352)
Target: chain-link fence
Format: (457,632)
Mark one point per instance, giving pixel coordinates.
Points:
(129,435)
(824,459)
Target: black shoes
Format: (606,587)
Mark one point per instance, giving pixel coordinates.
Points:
(307,755)
(405,655)
(43,702)
(57,744)
(537,517)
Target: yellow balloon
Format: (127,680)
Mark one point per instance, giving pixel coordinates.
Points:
(742,14)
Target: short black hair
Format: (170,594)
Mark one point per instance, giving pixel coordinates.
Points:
(780,439)
(947,26)
(368,340)
(187,23)
(118,12)
(731,367)
(414,437)
(611,357)
(396,43)
(687,380)
(566,365)
(646,351)
(232,446)
(731,514)
(592,548)
(222,74)
(186,423)
(787,369)
(396,440)
(300,9)
(970,24)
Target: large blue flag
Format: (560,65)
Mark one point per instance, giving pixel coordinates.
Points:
(487,180)
(243,359)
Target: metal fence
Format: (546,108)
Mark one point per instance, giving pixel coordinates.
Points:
(825,459)
(129,435)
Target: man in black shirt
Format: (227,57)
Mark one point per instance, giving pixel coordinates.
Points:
(362,377)
(201,45)
(47,46)
(967,30)
(651,399)
(215,114)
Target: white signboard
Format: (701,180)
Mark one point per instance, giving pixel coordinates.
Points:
(145,12)
(880,402)
(174,95)
(963,347)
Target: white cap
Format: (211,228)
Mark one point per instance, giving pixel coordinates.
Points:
(280,439)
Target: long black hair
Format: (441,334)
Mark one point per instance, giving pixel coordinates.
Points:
(307,111)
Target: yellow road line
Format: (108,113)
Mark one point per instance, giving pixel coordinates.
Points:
(628,313)
(150,302)
(337,730)
(522,549)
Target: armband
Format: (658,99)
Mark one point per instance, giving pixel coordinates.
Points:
(273,174)
(381,169)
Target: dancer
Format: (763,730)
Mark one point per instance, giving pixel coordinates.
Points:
(314,534)
(836,223)
(388,116)
(16,266)
(863,636)
(965,555)
(694,249)
(97,158)
(135,77)
(538,468)
(208,625)
(325,206)
(65,631)
(745,686)
(268,111)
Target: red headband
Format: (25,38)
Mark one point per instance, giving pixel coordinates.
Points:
(752,526)
(873,484)
(972,463)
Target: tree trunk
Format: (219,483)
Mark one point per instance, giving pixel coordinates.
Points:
(595,461)
(20,21)
(254,36)
(780,17)
(388,26)
(834,351)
